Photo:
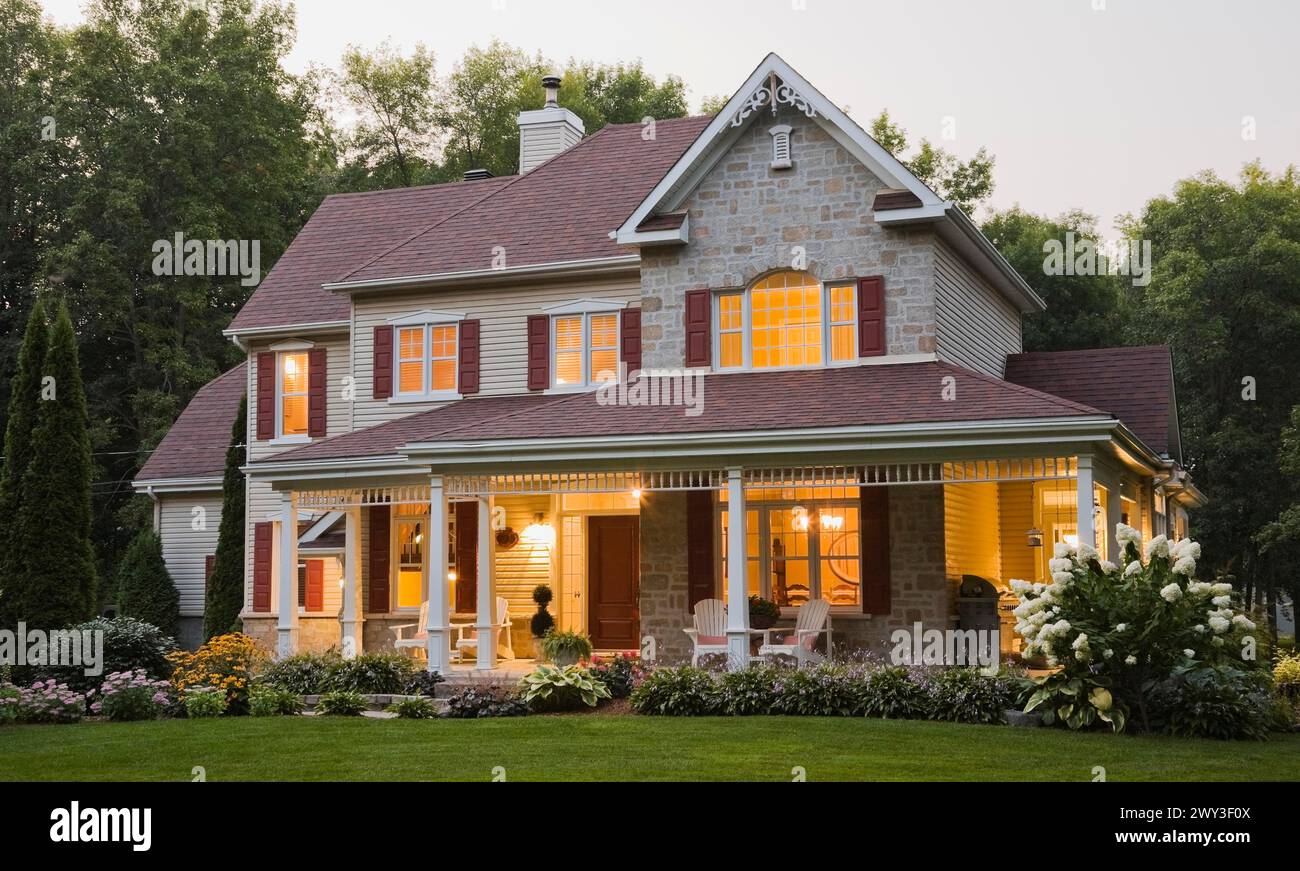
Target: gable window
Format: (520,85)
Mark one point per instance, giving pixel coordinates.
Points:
(292,394)
(425,357)
(787,320)
(584,343)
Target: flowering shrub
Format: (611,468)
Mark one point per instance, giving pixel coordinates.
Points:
(1286,676)
(619,674)
(269,701)
(227,662)
(303,674)
(829,690)
(749,691)
(968,695)
(203,702)
(372,673)
(474,702)
(49,702)
(131,695)
(677,692)
(1115,631)
(895,694)
(129,644)
(9,696)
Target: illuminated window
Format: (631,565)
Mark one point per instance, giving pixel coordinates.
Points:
(293,393)
(786,320)
(426,360)
(586,349)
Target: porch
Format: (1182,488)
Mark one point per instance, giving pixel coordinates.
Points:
(629,553)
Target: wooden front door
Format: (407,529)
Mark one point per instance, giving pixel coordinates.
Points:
(613,574)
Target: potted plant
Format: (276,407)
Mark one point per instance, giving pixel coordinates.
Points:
(542,621)
(566,648)
(763,613)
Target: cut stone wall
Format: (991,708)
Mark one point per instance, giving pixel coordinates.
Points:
(746,219)
(315,634)
(665,589)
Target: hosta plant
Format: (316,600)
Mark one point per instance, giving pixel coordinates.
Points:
(1113,631)
(561,689)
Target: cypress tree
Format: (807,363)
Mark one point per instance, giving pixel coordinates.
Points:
(145,588)
(24,402)
(60,586)
(224,597)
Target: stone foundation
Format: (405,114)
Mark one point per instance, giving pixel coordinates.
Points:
(315,634)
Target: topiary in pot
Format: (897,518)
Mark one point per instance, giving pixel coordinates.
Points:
(542,621)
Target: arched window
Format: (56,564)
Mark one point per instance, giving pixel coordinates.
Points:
(786,320)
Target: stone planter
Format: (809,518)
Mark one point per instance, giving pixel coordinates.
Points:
(563,659)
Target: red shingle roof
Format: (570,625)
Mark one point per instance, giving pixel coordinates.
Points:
(195,446)
(842,397)
(562,211)
(1134,384)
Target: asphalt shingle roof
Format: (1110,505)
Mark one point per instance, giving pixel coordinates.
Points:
(195,446)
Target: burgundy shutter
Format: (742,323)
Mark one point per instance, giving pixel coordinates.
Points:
(316,392)
(699,312)
(315,597)
(630,339)
(539,352)
(466,557)
(467,356)
(209,562)
(871,316)
(266,396)
(380,520)
(875,550)
(699,546)
(381,386)
(262,567)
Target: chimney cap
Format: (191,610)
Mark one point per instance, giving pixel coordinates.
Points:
(551,81)
(477,174)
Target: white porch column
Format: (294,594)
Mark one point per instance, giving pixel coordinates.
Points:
(1084,523)
(487,592)
(351,617)
(737,565)
(286,643)
(437,633)
(1114,508)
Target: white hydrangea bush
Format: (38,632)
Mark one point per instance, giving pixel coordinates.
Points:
(1112,630)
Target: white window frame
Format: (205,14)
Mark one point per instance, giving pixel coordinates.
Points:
(746,330)
(764,508)
(395,569)
(425,320)
(281,349)
(585,309)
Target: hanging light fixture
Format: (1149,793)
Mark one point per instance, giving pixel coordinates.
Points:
(539,531)
(1035,537)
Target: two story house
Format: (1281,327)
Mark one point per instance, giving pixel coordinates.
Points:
(819,393)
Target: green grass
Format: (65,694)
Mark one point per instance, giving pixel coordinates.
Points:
(596,747)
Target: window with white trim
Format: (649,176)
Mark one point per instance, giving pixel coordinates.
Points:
(787,320)
(292,394)
(425,360)
(585,349)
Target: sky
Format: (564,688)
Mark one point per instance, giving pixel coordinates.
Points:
(1098,105)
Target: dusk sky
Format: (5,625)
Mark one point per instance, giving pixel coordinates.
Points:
(1096,109)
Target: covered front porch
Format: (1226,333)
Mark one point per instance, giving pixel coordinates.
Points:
(629,553)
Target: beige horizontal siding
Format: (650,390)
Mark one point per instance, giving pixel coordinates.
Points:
(1016,503)
(976,327)
(188,524)
(338,411)
(972,538)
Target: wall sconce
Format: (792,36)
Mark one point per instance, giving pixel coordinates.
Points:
(538,532)
(1035,537)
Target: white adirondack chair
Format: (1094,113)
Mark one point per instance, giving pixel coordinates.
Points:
(813,619)
(416,640)
(709,635)
(467,635)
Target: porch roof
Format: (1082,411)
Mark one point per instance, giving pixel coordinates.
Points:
(853,396)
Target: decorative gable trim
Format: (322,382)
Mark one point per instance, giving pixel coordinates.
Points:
(772,84)
(427,316)
(293,345)
(584,306)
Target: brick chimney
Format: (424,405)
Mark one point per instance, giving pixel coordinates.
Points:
(546,132)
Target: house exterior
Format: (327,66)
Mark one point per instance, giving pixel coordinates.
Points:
(703,358)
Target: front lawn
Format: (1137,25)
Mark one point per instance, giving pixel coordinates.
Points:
(601,747)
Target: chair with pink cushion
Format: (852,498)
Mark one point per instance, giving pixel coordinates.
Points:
(709,634)
(800,643)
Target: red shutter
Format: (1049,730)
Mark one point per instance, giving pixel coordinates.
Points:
(539,352)
(467,357)
(630,339)
(699,341)
(380,520)
(317,388)
(381,386)
(699,546)
(875,550)
(209,562)
(262,567)
(466,557)
(266,396)
(314,600)
(871,316)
